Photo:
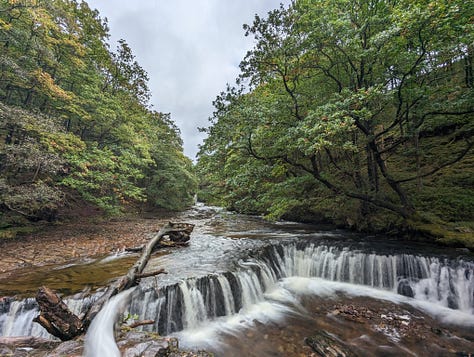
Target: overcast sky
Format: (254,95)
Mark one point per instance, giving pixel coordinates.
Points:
(190,49)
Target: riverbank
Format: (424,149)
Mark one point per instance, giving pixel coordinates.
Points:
(212,304)
(87,237)
(94,236)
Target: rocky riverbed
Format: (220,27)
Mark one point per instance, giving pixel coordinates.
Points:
(69,242)
(363,325)
(130,343)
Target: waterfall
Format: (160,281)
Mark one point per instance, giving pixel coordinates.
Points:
(191,302)
(440,281)
(100,340)
(16,318)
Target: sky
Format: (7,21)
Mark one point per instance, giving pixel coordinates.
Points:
(190,49)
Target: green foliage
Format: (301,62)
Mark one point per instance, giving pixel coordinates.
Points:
(103,178)
(126,318)
(173,185)
(345,110)
(75,117)
(29,167)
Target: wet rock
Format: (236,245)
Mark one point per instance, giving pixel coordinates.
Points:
(131,344)
(142,344)
(147,349)
(71,348)
(405,289)
(5,351)
(358,314)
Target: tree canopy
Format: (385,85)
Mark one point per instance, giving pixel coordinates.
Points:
(349,111)
(75,118)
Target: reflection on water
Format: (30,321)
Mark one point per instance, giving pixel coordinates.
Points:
(249,287)
(67,280)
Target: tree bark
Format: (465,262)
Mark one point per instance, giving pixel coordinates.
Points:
(27,341)
(327,346)
(56,317)
(59,321)
(141,323)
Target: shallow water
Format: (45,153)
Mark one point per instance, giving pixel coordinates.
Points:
(249,287)
(67,279)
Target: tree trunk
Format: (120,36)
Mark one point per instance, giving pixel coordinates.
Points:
(326,345)
(27,342)
(59,321)
(56,317)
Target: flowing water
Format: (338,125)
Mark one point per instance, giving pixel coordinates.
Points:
(248,287)
(100,339)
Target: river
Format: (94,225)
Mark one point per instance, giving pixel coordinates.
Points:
(247,287)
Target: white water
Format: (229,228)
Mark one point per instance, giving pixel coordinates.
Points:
(330,289)
(18,320)
(449,284)
(283,299)
(100,340)
(270,285)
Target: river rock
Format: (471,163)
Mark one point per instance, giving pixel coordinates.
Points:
(5,351)
(405,289)
(70,348)
(143,344)
(134,344)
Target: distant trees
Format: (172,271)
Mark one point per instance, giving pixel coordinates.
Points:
(350,107)
(75,117)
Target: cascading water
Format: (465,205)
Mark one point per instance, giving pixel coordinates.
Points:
(241,270)
(448,283)
(191,302)
(100,340)
(16,316)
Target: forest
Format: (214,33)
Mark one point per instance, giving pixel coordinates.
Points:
(352,114)
(359,113)
(76,125)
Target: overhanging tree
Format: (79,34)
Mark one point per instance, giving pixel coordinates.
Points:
(358,87)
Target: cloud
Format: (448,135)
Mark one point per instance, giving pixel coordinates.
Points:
(190,49)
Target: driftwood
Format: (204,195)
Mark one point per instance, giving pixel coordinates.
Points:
(56,317)
(27,341)
(152,273)
(141,323)
(326,345)
(59,321)
(167,244)
(178,236)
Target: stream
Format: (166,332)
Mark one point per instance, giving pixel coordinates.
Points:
(245,286)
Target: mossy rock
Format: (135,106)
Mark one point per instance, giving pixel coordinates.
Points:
(448,234)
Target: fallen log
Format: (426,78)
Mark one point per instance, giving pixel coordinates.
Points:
(152,273)
(27,342)
(167,244)
(177,235)
(56,317)
(325,345)
(141,323)
(129,280)
(59,321)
